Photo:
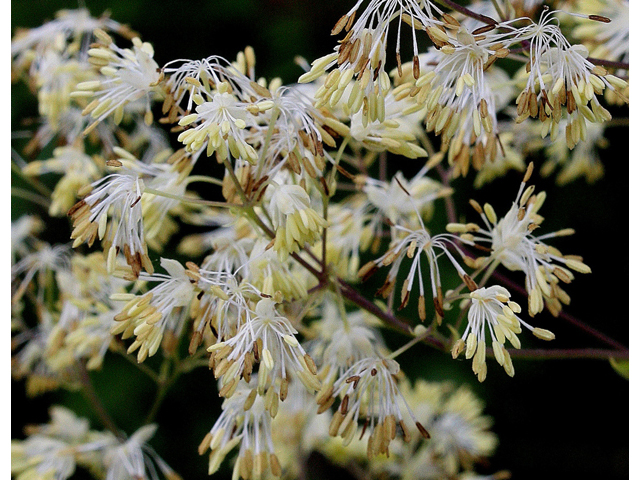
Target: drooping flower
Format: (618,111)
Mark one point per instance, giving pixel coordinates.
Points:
(36,265)
(151,315)
(115,197)
(560,75)
(134,459)
(390,198)
(514,245)
(581,161)
(220,122)
(362,54)
(295,220)
(267,338)
(276,277)
(244,421)
(341,340)
(460,434)
(492,310)
(413,244)
(69,32)
(369,390)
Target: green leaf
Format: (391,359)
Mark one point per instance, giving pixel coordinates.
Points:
(621,366)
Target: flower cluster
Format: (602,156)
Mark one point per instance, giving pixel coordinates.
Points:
(235,222)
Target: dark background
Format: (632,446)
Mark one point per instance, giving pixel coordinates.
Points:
(554,419)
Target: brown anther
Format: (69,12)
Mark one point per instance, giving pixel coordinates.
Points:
(571,103)
(437,303)
(196,340)
(364,427)
(344,405)
(367,270)
(422,311)
(76,207)
(476,206)
(405,295)
(600,18)
(355,50)
(284,390)
(399,63)
(406,436)
(416,67)
(310,364)
(270,244)
(340,24)
(468,281)
(423,431)
(450,20)
(528,173)
(481,30)
(355,379)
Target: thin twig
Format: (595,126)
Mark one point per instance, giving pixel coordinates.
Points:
(557,354)
(90,394)
(565,316)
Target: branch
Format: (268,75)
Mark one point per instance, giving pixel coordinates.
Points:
(569,318)
(556,354)
(467,12)
(354,296)
(608,63)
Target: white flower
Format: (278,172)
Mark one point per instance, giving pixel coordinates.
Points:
(581,161)
(220,121)
(368,390)
(45,258)
(133,459)
(148,316)
(398,131)
(69,26)
(192,77)
(342,339)
(128,75)
(295,221)
(460,435)
(514,245)
(42,458)
(223,305)
(492,310)
(267,338)
(117,197)
(413,244)
(246,422)
(390,198)
(23,232)
(56,74)
(274,276)
(561,75)
(362,54)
